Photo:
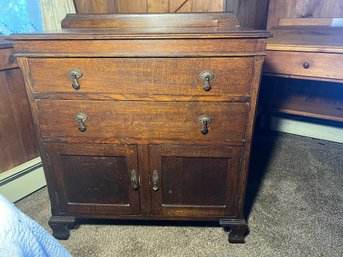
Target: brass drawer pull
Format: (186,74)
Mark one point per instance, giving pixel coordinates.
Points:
(74,75)
(306,65)
(204,121)
(134,180)
(81,119)
(206,76)
(155,180)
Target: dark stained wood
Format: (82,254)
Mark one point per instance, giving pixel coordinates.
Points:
(310,98)
(143,113)
(306,47)
(141,120)
(143,48)
(322,39)
(149,21)
(148,6)
(7,60)
(96,178)
(99,6)
(17,140)
(163,76)
(251,13)
(302,9)
(194,180)
(321,65)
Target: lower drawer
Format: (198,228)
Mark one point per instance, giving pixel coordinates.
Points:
(108,121)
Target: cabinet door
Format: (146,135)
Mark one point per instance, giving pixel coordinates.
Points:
(96,180)
(194,180)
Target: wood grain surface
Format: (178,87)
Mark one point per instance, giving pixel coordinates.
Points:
(18,138)
(143,76)
(142,97)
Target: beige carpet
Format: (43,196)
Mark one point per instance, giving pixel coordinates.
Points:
(294,208)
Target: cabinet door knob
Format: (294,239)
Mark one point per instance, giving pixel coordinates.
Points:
(204,121)
(134,180)
(306,65)
(81,119)
(155,180)
(206,76)
(74,75)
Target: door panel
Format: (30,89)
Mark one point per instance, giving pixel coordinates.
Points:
(96,178)
(192,175)
(194,180)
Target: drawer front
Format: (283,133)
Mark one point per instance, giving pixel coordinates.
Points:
(143,76)
(112,120)
(304,64)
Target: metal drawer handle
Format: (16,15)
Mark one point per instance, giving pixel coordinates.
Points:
(81,119)
(204,121)
(306,65)
(134,180)
(206,76)
(74,75)
(155,180)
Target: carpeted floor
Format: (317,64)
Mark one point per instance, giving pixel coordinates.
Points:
(294,208)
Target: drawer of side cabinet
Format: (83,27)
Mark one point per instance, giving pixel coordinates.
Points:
(108,122)
(143,76)
(320,65)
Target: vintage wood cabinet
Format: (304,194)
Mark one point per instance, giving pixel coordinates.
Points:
(144,116)
(17,134)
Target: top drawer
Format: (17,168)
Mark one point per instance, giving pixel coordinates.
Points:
(302,64)
(145,76)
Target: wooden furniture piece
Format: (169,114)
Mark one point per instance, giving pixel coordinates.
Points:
(140,121)
(250,13)
(148,6)
(304,59)
(307,52)
(17,135)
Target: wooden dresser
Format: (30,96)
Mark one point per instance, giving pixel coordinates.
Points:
(145,116)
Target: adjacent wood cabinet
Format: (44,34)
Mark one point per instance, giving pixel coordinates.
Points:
(304,59)
(139,122)
(17,136)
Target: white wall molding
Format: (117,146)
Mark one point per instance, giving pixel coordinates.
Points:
(300,127)
(22,180)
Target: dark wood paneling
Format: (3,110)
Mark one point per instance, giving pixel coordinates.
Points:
(302,9)
(98,6)
(151,6)
(251,13)
(86,183)
(96,177)
(17,136)
(194,180)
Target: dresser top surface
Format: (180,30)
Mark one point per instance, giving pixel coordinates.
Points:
(147,26)
(307,39)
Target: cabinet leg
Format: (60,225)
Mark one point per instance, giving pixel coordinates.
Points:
(238,230)
(60,226)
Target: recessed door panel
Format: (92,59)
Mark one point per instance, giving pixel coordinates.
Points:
(97,179)
(193,180)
